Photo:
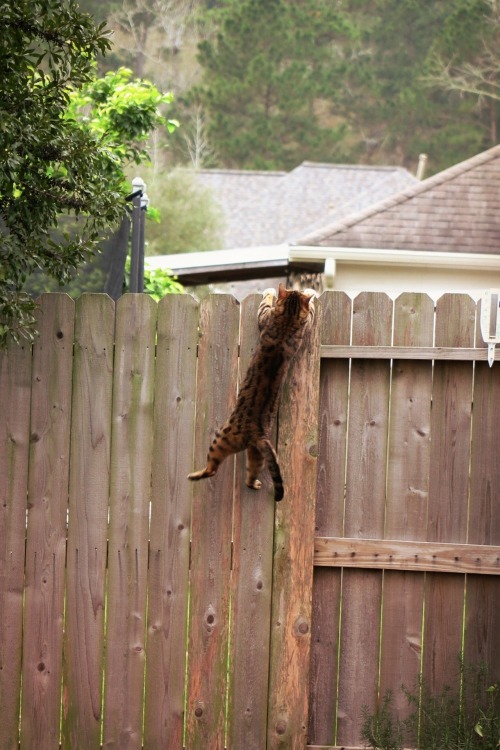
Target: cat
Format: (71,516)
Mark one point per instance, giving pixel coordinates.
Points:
(282,328)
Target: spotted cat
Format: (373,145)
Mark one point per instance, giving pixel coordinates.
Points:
(282,327)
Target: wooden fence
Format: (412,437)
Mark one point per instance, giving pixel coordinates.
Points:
(140,611)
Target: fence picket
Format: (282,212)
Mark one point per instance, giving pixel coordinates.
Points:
(47,518)
(253,531)
(175,388)
(333,408)
(482,619)
(88,520)
(293,550)
(364,514)
(407,493)
(130,481)
(448,488)
(211,529)
(15,385)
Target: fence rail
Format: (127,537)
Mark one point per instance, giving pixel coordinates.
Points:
(138,610)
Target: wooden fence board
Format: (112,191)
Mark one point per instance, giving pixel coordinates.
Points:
(253,531)
(211,529)
(334,384)
(174,411)
(47,517)
(88,519)
(15,377)
(130,482)
(407,493)
(482,619)
(293,550)
(448,488)
(364,514)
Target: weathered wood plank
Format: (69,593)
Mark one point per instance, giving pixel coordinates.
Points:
(293,550)
(448,488)
(211,529)
(386,554)
(46,532)
(174,409)
(130,482)
(15,386)
(482,618)
(334,384)
(88,520)
(447,353)
(364,514)
(406,500)
(253,532)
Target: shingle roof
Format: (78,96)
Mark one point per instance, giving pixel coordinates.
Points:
(457,210)
(266,208)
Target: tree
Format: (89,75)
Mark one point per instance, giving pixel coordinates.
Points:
(48,164)
(467,59)
(392,115)
(61,171)
(263,76)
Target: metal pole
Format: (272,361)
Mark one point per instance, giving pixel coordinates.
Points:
(138,187)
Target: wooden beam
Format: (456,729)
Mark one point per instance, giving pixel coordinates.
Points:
(405,555)
(406,352)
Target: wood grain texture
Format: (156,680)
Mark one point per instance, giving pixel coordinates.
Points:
(253,531)
(15,386)
(364,514)
(88,521)
(448,488)
(482,618)
(174,410)
(334,384)
(130,482)
(407,492)
(447,353)
(46,531)
(293,550)
(385,554)
(211,529)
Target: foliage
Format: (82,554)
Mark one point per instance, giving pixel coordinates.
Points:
(188,217)
(467,59)
(464,718)
(263,75)
(65,139)
(122,113)
(158,282)
(49,165)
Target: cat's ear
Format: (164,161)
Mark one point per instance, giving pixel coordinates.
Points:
(281,291)
(307,298)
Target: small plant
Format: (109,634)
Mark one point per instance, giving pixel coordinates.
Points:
(381,730)
(466,717)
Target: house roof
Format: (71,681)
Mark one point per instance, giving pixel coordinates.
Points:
(457,210)
(266,208)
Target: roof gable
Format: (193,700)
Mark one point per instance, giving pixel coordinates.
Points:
(456,210)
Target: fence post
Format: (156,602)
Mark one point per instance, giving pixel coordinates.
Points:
(293,551)
(139,207)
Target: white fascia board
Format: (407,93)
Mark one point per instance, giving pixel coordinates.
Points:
(369,256)
(218,258)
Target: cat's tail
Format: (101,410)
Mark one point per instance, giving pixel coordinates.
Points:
(265,447)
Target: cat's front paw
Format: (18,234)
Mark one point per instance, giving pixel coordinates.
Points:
(269,292)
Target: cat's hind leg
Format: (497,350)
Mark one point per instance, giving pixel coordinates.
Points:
(220,448)
(255,463)
(267,450)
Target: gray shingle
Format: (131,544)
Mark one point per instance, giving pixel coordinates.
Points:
(267,208)
(457,210)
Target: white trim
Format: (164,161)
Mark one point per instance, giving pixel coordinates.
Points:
(352,255)
(375,256)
